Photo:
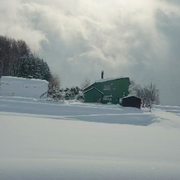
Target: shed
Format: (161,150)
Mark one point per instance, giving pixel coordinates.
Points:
(131,101)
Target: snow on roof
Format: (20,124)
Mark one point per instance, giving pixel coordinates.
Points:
(130,96)
(95,89)
(105,80)
(110,79)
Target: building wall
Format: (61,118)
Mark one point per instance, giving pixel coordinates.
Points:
(131,102)
(93,96)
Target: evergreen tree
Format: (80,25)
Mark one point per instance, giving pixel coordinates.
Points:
(16,59)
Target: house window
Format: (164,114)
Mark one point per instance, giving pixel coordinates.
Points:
(114,87)
(107,87)
(107,98)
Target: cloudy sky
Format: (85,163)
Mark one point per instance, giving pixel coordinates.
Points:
(79,38)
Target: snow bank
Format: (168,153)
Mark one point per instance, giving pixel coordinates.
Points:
(15,86)
(79,111)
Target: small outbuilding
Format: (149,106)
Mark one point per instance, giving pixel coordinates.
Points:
(131,101)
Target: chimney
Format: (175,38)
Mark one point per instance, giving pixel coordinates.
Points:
(102,75)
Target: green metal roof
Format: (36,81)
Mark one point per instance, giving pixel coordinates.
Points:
(104,80)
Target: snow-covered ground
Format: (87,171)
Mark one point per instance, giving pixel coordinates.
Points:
(41,140)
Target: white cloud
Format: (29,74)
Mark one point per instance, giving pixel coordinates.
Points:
(80,38)
(15,24)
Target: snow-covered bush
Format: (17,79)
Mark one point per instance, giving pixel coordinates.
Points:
(73,93)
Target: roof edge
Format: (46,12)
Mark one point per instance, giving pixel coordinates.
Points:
(105,80)
(95,89)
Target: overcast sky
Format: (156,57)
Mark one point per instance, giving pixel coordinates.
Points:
(80,38)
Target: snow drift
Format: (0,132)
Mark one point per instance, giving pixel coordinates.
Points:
(15,86)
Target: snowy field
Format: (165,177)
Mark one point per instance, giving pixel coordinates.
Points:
(41,140)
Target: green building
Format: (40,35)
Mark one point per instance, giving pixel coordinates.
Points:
(107,90)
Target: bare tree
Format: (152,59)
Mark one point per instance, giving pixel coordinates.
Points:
(133,88)
(149,94)
(55,82)
(85,83)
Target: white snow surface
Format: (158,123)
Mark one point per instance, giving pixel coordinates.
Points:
(16,86)
(69,140)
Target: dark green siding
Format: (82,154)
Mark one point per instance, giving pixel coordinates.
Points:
(93,96)
(116,89)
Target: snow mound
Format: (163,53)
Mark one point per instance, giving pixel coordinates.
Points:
(15,86)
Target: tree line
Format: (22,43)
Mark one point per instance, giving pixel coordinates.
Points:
(16,59)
